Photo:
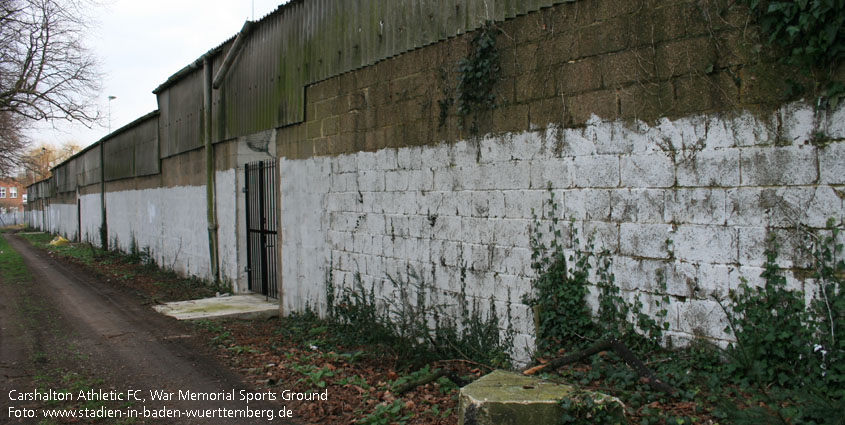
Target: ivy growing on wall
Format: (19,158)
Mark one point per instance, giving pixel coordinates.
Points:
(565,270)
(811,33)
(478,73)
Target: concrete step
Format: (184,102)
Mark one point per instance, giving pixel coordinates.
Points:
(228,307)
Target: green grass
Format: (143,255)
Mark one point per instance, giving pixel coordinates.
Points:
(125,267)
(82,253)
(12,268)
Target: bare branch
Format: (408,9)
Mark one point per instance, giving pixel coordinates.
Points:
(46,73)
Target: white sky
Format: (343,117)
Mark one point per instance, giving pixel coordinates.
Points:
(139,44)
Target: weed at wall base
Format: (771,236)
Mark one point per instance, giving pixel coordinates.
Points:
(789,350)
(564,267)
(415,326)
(787,364)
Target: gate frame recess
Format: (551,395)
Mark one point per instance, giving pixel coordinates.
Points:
(261,227)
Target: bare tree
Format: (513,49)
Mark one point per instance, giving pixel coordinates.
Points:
(36,162)
(46,72)
(12,142)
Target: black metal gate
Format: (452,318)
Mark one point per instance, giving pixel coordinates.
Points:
(261,227)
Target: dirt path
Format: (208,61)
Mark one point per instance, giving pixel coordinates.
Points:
(67,321)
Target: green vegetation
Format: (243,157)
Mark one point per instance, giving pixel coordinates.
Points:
(478,73)
(62,380)
(81,253)
(562,285)
(811,33)
(581,408)
(786,366)
(136,268)
(386,414)
(790,352)
(415,328)
(12,268)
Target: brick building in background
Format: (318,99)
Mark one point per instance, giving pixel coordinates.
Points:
(12,196)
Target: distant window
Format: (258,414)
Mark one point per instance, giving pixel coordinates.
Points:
(2,192)
(23,197)
(13,192)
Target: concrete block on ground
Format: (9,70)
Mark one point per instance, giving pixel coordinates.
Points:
(507,398)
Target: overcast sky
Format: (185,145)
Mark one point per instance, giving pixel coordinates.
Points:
(140,43)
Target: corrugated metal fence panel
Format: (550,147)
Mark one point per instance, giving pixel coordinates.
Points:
(146,148)
(64,177)
(180,106)
(306,42)
(119,156)
(134,151)
(33,192)
(60,176)
(89,170)
(50,187)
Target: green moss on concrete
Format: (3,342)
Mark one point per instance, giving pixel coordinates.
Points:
(210,308)
(505,398)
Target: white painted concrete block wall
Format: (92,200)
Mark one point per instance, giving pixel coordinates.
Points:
(227,220)
(713,185)
(91,218)
(306,249)
(63,220)
(171,222)
(34,218)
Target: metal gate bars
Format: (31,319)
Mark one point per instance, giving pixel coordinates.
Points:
(260,178)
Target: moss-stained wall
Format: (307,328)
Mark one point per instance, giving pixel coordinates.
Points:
(662,127)
(307,41)
(617,59)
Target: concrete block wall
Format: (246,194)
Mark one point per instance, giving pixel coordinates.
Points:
(91,217)
(661,128)
(666,137)
(62,219)
(170,222)
(228,217)
(694,197)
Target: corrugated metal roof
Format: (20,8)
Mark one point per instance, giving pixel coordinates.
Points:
(303,42)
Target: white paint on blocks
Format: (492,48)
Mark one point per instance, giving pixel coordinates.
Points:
(170,222)
(62,219)
(227,220)
(91,214)
(306,248)
(712,185)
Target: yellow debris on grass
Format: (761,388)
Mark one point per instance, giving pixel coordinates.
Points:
(59,241)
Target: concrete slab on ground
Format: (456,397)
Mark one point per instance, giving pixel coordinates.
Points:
(507,398)
(229,307)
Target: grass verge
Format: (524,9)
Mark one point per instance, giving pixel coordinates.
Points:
(135,271)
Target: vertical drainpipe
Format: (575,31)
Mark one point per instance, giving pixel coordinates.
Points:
(104,228)
(209,84)
(209,168)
